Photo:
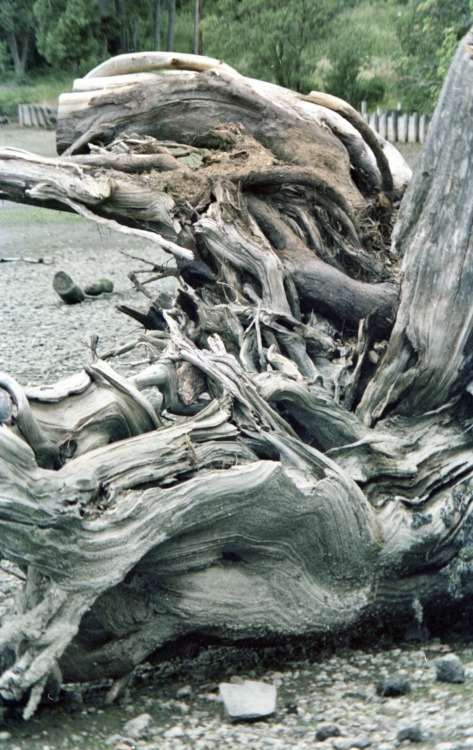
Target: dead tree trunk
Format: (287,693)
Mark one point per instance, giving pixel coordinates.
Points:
(285,465)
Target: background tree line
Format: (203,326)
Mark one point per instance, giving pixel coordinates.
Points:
(381,51)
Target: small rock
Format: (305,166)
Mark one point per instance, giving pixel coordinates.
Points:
(139,727)
(393,686)
(184,692)
(174,732)
(346,743)
(115,741)
(342,743)
(327,730)
(355,695)
(450,669)
(4,737)
(250,700)
(412,733)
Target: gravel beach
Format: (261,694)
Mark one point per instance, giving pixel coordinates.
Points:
(335,697)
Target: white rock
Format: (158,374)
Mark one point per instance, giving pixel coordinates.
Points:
(139,727)
(250,700)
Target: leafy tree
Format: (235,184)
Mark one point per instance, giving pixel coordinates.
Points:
(16,31)
(359,54)
(429,31)
(166,24)
(75,34)
(344,77)
(280,39)
(67,32)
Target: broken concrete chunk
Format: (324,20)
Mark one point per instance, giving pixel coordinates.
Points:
(249,700)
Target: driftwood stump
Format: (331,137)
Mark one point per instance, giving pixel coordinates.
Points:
(297,455)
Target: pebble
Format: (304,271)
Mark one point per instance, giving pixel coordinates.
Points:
(174,733)
(412,733)
(139,727)
(327,730)
(114,741)
(346,743)
(184,692)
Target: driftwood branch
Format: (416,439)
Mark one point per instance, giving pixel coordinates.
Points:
(295,457)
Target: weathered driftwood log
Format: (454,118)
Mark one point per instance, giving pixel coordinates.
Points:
(100,286)
(272,471)
(67,289)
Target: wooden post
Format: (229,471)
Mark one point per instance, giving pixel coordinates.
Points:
(402,128)
(383,124)
(375,124)
(422,128)
(395,116)
(389,127)
(415,127)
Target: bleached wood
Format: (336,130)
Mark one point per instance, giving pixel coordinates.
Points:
(429,359)
(229,487)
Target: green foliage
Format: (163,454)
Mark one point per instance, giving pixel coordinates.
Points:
(5,59)
(280,39)
(183,27)
(360,51)
(350,51)
(15,16)
(40,90)
(66,32)
(382,51)
(429,32)
(75,35)
(16,34)
(10,98)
